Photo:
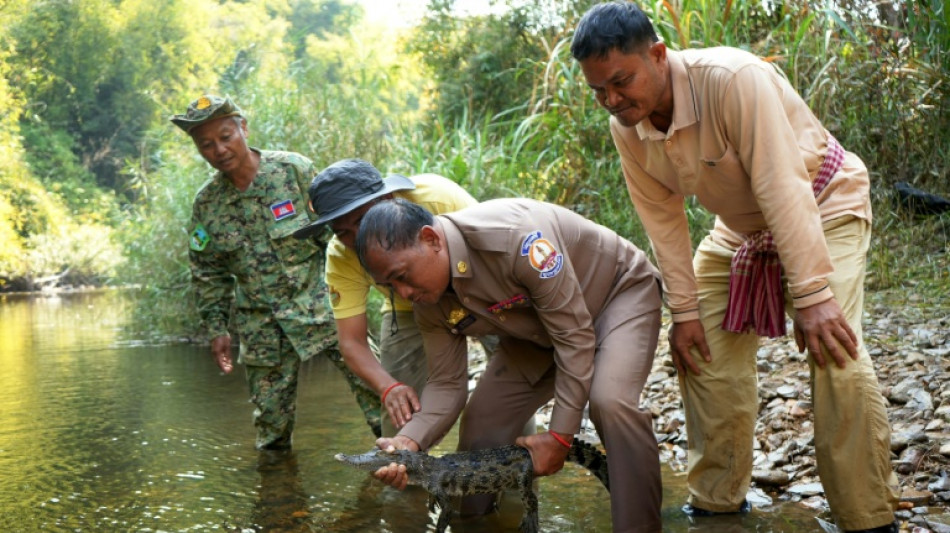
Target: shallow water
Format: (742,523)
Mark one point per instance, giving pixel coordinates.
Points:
(99,432)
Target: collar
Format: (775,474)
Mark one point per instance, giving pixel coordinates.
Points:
(685,104)
(460,262)
(254,190)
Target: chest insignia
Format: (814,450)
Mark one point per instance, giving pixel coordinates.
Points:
(462,267)
(459,319)
(283,209)
(508,303)
(199,238)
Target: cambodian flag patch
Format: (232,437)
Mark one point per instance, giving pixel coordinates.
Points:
(283,209)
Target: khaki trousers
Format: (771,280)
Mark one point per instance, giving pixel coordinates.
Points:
(852,434)
(504,399)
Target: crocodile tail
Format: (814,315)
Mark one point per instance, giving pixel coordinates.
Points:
(586,455)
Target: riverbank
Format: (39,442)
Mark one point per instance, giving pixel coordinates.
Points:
(908,340)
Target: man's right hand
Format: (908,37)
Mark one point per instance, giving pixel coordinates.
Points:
(683,336)
(401,402)
(395,474)
(221,352)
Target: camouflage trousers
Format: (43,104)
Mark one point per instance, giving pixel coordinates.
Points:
(273,391)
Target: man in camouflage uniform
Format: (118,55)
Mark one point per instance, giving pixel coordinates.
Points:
(243,257)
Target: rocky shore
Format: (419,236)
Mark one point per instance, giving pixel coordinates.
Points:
(910,344)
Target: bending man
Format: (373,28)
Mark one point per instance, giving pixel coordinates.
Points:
(577,312)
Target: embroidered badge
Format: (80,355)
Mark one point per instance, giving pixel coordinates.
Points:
(526,243)
(508,303)
(199,238)
(545,258)
(282,210)
(203,103)
(462,267)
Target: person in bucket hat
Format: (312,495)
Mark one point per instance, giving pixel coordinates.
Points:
(339,196)
(249,274)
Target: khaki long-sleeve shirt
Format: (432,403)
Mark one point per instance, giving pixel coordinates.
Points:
(534,272)
(745,144)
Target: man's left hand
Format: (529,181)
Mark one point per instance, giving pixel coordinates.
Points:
(547,454)
(823,325)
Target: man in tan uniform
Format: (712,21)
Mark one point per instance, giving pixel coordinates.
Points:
(729,129)
(577,311)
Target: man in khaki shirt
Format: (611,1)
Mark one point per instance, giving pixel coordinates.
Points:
(577,312)
(727,128)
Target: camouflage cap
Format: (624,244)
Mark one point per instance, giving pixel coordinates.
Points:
(208,107)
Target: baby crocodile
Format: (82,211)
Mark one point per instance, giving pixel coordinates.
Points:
(483,471)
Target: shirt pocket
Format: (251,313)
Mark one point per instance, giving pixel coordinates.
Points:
(722,181)
(228,244)
(291,250)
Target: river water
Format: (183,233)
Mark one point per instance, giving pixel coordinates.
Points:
(103,433)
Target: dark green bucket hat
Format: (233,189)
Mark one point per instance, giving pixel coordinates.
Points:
(208,107)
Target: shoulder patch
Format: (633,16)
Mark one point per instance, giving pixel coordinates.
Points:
(545,258)
(199,238)
(334,297)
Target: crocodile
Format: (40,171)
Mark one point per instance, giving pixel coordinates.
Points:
(483,471)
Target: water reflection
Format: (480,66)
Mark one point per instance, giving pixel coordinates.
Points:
(103,433)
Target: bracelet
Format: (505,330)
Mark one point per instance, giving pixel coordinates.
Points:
(559,438)
(382,398)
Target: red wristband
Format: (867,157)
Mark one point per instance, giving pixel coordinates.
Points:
(382,399)
(559,438)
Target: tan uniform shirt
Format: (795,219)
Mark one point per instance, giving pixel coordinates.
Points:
(532,271)
(746,145)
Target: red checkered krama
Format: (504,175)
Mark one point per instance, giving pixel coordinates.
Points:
(756,299)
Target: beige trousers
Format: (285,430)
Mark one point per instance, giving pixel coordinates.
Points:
(852,434)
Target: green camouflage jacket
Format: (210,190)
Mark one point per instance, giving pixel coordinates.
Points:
(243,254)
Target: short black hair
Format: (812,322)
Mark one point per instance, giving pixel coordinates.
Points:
(614,25)
(392,225)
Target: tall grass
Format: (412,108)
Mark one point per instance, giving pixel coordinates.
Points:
(878,82)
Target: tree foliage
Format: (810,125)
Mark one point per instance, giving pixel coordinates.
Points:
(493,100)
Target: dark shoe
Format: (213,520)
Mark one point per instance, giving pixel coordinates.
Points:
(889,528)
(696,512)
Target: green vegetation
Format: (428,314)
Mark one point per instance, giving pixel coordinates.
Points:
(96,185)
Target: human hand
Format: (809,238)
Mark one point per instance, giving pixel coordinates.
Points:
(221,352)
(401,401)
(394,474)
(683,336)
(824,325)
(547,454)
